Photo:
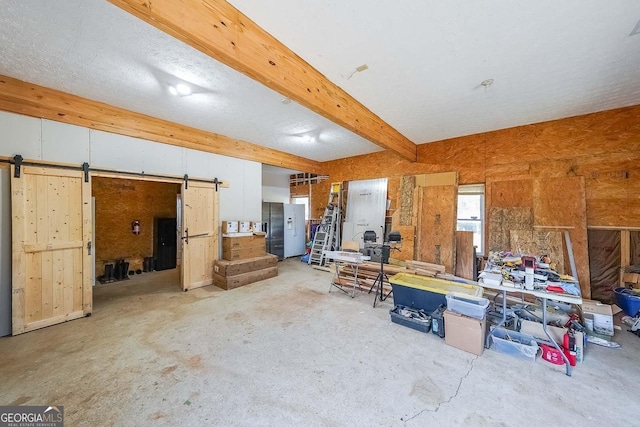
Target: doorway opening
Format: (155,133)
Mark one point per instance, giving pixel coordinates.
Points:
(612,254)
(135,231)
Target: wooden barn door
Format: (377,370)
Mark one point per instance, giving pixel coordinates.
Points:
(51,226)
(199,234)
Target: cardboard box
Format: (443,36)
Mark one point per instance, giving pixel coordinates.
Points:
(243,247)
(465,333)
(602,316)
(227,268)
(229,227)
(631,278)
(535,330)
(232,282)
(244,226)
(244,241)
(242,253)
(256,226)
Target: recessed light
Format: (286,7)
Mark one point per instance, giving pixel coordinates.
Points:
(487,83)
(173,91)
(183,89)
(286,101)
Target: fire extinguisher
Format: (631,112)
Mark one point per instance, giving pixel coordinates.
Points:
(569,347)
(135,227)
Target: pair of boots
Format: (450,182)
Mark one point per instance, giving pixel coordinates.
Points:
(120,270)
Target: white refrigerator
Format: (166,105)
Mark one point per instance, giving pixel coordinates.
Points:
(294,230)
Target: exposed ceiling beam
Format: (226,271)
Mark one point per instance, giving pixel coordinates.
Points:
(25,98)
(219,30)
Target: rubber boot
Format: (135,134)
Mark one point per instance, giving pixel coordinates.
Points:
(108,272)
(125,270)
(118,270)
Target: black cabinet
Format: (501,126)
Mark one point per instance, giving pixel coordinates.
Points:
(165,247)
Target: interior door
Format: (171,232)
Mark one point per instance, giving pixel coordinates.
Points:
(199,234)
(51,230)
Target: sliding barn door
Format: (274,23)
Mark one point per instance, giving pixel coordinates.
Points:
(51,226)
(199,234)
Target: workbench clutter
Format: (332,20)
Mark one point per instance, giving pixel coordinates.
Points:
(527,272)
(557,330)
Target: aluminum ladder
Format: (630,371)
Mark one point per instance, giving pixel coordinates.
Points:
(327,237)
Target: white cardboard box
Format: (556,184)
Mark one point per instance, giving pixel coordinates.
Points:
(245,227)
(602,316)
(229,227)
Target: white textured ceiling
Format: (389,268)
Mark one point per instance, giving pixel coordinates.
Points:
(93,49)
(549,59)
(426,60)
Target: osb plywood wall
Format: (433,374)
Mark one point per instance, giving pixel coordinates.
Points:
(603,148)
(118,203)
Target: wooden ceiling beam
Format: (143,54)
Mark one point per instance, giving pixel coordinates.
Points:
(222,32)
(20,97)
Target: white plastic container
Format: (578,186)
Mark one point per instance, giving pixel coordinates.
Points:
(467,305)
(491,279)
(521,346)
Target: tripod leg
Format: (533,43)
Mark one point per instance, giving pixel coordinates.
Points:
(377,283)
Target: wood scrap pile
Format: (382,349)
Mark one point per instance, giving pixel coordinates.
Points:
(368,272)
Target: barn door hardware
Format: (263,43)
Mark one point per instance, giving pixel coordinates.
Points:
(186,181)
(17,161)
(85,169)
(186,235)
(89,248)
(216,182)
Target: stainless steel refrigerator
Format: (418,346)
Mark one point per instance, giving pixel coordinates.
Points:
(273,219)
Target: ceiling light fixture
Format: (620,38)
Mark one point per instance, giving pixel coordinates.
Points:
(308,138)
(286,101)
(180,89)
(183,89)
(487,83)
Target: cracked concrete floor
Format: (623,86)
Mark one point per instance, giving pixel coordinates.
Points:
(286,352)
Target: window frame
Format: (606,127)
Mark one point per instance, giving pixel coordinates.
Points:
(474,190)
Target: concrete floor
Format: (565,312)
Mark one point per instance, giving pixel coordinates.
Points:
(286,352)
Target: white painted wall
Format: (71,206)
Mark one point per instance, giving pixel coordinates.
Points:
(5,252)
(275,187)
(39,139)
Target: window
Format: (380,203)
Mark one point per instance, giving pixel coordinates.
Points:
(471,213)
(302,200)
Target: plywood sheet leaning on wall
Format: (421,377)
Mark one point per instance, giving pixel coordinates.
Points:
(559,203)
(465,254)
(437,217)
(405,252)
(407,185)
(504,220)
(539,242)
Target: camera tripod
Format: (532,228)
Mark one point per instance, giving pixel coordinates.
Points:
(379,282)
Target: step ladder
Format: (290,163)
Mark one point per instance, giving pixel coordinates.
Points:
(327,237)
